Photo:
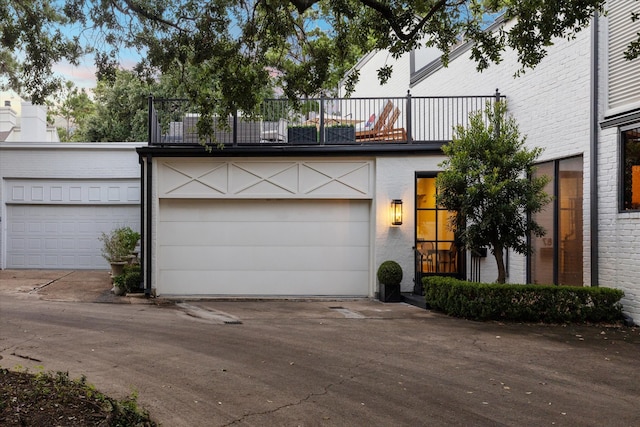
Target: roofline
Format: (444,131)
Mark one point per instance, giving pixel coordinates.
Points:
(434,148)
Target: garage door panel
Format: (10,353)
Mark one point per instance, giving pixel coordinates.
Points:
(262,234)
(245,210)
(275,258)
(263,247)
(262,283)
(62,237)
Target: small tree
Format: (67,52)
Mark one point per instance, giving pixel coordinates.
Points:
(488,180)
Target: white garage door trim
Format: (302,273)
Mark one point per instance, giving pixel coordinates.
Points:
(263,247)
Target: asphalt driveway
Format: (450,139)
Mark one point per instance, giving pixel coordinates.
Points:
(317,362)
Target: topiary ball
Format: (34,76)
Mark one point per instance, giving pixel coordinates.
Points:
(390,273)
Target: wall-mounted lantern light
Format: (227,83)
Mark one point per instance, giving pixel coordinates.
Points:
(396,212)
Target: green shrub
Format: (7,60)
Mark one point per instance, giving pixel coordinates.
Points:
(523,303)
(119,281)
(390,273)
(132,278)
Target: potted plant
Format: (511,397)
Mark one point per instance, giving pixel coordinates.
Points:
(118,246)
(340,134)
(119,285)
(302,135)
(128,281)
(390,276)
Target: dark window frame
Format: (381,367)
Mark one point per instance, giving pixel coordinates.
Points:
(554,233)
(462,264)
(623,175)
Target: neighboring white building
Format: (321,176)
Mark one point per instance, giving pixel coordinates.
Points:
(20,121)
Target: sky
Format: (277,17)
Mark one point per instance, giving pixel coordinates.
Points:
(84,76)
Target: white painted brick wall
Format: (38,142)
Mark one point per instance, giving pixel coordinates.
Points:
(550,103)
(619,232)
(395,179)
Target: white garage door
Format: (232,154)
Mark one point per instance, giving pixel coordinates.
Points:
(263,247)
(62,236)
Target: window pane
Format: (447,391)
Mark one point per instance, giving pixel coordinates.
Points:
(542,257)
(426,225)
(426,193)
(570,222)
(444,227)
(631,159)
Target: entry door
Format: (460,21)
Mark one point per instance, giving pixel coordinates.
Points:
(436,250)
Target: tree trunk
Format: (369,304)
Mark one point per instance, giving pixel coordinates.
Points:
(498,253)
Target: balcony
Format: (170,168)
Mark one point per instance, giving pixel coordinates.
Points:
(312,122)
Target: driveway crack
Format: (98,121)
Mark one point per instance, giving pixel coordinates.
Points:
(299,402)
(39,288)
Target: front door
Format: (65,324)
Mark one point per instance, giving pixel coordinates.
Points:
(436,250)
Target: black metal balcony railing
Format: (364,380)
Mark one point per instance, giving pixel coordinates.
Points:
(319,121)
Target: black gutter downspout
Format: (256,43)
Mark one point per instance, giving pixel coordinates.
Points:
(142,222)
(145,210)
(149,208)
(593,183)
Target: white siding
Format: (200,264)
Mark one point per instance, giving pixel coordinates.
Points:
(624,84)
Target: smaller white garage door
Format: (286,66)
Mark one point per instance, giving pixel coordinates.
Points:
(63,236)
(263,247)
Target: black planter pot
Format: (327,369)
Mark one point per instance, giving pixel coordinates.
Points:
(390,293)
(340,134)
(302,135)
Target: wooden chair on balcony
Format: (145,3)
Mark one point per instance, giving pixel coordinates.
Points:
(383,127)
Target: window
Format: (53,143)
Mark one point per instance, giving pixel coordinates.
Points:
(557,256)
(436,249)
(630,199)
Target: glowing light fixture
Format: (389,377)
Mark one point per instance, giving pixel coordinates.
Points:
(396,212)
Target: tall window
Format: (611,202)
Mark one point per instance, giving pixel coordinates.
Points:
(630,199)
(557,256)
(436,250)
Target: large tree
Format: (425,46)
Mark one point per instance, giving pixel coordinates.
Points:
(488,181)
(75,107)
(228,50)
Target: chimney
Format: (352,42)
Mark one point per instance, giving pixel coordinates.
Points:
(33,126)
(7,117)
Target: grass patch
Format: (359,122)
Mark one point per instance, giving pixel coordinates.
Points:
(54,399)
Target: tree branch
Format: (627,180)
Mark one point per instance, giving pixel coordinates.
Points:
(146,14)
(389,16)
(303,5)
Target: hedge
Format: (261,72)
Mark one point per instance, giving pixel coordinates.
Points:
(523,303)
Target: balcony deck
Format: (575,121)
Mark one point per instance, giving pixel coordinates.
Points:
(318,122)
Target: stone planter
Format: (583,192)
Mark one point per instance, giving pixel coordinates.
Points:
(117,268)
(340,135)
(390,293)
(303,135)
